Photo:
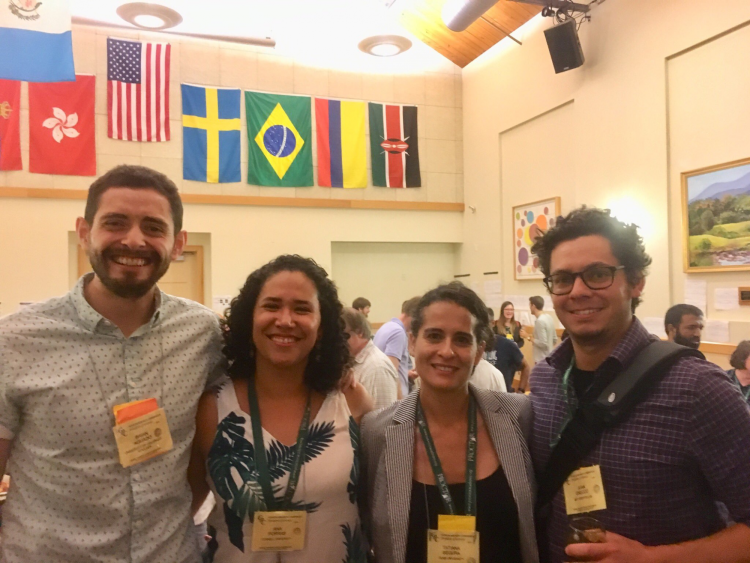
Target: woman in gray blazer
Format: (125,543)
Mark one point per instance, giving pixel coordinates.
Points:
(449,449)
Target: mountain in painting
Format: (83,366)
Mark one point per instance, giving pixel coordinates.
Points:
(740,186)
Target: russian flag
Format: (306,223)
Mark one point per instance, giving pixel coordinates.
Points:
(35,41)
(342,152)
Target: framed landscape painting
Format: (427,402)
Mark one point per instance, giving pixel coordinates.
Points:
(529,221)
(716,217)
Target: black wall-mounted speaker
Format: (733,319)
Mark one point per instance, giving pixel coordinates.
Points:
(564,46)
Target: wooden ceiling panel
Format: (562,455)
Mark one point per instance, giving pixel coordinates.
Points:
(423,19)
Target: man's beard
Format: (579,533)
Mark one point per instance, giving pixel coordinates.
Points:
(689,342)
(129,287)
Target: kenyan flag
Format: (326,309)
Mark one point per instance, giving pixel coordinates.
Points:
(394,146)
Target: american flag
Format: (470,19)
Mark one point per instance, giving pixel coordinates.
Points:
(138,90)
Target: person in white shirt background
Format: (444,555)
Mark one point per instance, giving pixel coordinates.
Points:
(371,367)
(544,338)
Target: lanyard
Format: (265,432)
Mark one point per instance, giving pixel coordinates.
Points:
(298,454)
(471,461)
(571,402)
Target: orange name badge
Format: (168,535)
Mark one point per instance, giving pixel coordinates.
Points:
(142,438)
(134,409)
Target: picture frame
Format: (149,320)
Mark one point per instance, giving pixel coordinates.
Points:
(716,217)
(530,220)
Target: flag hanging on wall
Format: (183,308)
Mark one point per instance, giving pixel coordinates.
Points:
(342,152)
(10,136)
(35,41)
(61,127)
(394,146)
(279,132)
(138,90)
(210,134)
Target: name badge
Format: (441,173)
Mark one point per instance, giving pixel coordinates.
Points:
(456,523)
(452,547)
(279,531)
(584,491)
(143,437)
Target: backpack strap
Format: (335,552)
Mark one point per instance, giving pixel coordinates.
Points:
(611,407)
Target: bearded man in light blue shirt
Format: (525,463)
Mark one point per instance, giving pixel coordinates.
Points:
(66,363)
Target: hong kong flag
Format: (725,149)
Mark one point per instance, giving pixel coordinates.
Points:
(10,136)
(61,127)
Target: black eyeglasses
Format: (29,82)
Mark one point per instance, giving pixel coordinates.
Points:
(597,276)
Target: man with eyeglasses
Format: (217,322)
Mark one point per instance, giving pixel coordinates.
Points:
(654,478)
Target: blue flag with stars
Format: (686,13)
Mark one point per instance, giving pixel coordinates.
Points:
(279,134)
(210,134)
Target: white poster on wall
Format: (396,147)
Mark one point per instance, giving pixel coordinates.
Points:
(726,298)
(716,331)
(695,293)
(655,325)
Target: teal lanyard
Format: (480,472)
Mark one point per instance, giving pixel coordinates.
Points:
(264,475)
(571,402)
(471,461)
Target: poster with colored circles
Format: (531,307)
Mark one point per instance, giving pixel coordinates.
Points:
(530,221)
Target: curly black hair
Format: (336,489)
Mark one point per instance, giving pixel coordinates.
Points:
(458,293)
(627,244)
(326,363)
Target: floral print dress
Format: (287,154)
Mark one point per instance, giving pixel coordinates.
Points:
(327,487)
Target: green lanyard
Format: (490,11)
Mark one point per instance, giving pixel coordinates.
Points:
(264,475)
(571,402)
(471,461)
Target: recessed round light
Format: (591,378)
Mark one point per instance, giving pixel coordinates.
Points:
(149,21)
(385,45)
(149,16)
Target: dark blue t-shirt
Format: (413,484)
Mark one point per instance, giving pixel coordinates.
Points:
(505,356)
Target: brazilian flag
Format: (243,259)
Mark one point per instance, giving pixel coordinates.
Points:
(279,131)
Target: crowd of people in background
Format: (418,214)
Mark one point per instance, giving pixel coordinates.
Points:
(122,409)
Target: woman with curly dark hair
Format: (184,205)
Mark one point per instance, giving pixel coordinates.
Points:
(286,354)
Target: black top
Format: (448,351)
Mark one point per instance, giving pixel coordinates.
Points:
(581,380)
(505,356)
(497,519)
(513,333)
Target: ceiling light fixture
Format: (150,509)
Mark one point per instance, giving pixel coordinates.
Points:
(384,45)
(149,16)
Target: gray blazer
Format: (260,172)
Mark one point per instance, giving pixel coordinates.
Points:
(388,468)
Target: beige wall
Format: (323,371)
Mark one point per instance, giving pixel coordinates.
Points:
(389,273)
(607,124)
(709,120)
(34,253)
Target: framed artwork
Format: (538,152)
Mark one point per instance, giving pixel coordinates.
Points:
(529,221)
(716,218)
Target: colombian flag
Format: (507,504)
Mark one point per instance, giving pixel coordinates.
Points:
(210,134)
(342,154)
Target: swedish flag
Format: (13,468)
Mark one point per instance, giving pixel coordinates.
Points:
(279,130)
(210,134)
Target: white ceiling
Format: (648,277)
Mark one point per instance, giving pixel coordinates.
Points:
(317,32)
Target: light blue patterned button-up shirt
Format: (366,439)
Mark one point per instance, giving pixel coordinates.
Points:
(62,368)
